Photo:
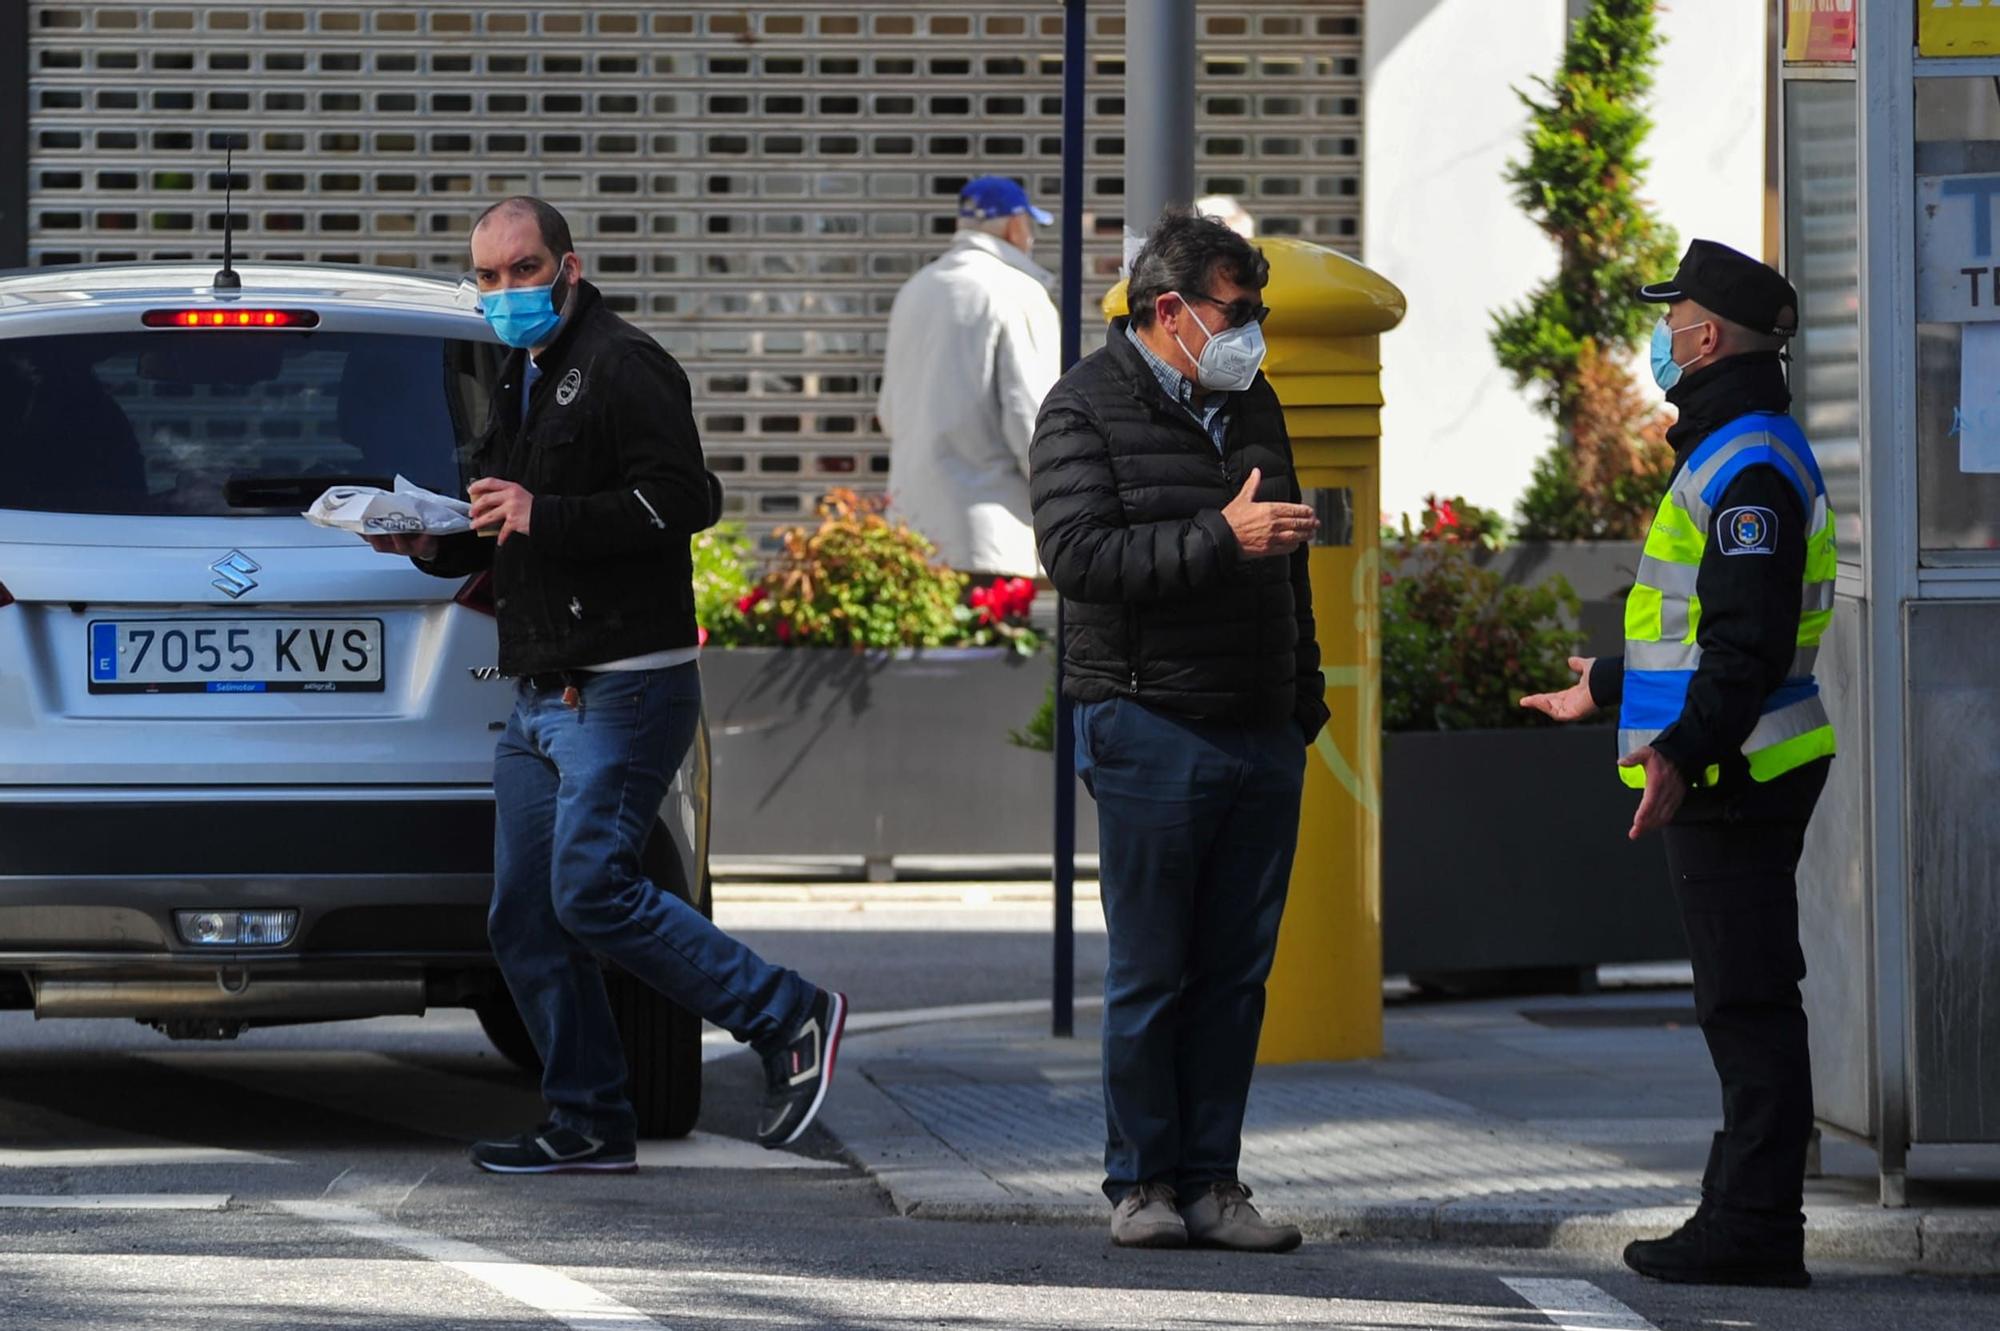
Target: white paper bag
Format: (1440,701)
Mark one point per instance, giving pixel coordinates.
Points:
(408,510)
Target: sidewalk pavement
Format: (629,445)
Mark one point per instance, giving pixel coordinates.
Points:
(1574,1123)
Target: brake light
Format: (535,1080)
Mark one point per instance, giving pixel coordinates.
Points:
(476,594)
(230,318)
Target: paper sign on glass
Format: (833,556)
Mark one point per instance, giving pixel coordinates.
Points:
(1958,27)
(1976,419)
(1958,249)
(1819,31)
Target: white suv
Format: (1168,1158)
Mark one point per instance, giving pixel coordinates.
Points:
(245,762)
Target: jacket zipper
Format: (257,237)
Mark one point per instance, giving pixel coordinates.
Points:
(1132,646)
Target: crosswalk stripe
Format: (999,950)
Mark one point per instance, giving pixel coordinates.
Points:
(1576,1305)
(120,1157)
(551,1293)
(116,1201)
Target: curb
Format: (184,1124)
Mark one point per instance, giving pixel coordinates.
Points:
(927,1180)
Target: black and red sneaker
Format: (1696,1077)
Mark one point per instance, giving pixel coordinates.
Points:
(797,1072)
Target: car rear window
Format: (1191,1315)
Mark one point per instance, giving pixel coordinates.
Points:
(150,423)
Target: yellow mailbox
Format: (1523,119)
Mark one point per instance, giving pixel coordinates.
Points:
(1327,316)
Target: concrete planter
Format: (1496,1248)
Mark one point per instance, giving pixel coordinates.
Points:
(1505,851)
(827,753)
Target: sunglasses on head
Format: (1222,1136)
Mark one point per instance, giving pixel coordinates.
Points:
(1238,312)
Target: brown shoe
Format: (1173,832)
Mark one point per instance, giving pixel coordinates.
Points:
(1222,1217)
(1146,1218)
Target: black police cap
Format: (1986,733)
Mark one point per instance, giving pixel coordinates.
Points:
(1733,285)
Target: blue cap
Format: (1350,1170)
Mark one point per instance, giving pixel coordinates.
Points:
(997,196)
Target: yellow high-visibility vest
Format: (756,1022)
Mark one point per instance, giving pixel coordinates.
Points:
(1663,613)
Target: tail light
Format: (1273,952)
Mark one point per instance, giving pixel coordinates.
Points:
(211,317)
(476,594)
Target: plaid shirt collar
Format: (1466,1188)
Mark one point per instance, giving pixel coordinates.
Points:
(1212,416)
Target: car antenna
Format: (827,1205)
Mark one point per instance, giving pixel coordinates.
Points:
(227,279)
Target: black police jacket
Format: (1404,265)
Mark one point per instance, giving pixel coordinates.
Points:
(610,452)
(1161,605)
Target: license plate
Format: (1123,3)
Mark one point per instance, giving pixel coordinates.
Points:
(235,655)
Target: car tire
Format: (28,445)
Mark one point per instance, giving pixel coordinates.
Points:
(662,1039)
(501,1021)
(662,1051)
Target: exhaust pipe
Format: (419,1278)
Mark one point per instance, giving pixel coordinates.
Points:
(228,995)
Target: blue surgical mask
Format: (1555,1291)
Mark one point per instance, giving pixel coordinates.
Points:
(523,316)
(1229,363)
(1667,370)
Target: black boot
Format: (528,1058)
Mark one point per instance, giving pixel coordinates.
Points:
(1713,1249)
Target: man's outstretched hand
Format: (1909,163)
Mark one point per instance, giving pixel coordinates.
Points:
(1571,704)
(1264,529)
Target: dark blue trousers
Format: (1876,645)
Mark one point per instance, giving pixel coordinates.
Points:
(1197,822)
(577,790)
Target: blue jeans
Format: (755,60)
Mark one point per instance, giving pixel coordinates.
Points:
(577,790)
(1197,822)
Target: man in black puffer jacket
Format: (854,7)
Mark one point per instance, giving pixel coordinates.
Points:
(590,479)
(1189,650)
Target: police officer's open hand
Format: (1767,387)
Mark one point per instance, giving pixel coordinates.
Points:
(1267,529)
(1571,704)
(502,504)
(1665,789)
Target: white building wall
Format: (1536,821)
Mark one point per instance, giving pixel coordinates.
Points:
(1440,221)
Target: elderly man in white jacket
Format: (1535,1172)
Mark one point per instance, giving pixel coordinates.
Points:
(974,346)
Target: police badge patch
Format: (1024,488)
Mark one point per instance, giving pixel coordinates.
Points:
(1747,531)
(571,385)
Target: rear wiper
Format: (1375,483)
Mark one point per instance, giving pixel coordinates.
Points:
(293,491)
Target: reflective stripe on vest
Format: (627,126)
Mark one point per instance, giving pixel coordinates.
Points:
(1663,611)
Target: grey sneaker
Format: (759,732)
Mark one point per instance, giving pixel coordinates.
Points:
(1222,1217)
(1145,1218)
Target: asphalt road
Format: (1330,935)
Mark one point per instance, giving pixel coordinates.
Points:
(315,1177)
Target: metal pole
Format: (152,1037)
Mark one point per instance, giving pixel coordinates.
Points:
(1063,1009)
(1159,113)
(1886,73)
(13,133)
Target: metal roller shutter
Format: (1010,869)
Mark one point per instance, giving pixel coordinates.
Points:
(750,183)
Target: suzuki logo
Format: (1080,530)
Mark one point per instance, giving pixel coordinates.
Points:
(235,569)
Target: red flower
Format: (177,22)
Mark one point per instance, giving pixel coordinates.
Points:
(784,631)
(700,636)
(750,600)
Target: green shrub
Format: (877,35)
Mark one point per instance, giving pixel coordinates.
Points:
(1460,645)
(860,581)
(725,565)
(1453,521)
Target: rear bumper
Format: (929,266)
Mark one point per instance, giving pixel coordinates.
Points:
(113,835)
(55,921)
(96,881)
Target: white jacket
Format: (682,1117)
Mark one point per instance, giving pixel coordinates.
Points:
(974,347)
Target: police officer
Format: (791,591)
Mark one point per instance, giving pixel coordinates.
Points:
(591,482)
(1722,726)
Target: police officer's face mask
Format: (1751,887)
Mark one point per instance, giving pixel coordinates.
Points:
(527,316)
(1229,361)
(1666,370)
